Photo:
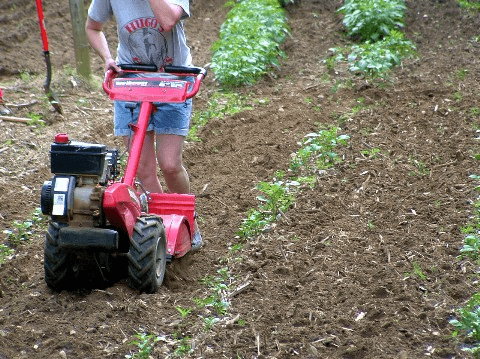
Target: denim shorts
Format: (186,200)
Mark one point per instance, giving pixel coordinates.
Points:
(170,118)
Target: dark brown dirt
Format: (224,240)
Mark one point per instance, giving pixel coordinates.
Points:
(335,277)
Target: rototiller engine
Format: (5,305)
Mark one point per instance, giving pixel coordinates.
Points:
(114,226)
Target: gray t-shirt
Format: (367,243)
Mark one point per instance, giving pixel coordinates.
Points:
(141,38)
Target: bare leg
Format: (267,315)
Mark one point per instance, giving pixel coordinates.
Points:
(169,156)
(147,167)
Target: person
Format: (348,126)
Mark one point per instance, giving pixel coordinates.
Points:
(149,32)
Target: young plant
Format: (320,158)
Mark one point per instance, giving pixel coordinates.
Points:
(418,271)
(468,324)
(183,348)
(184,311)
(22,232)
(319,146)
(276,198)
(144,343)
(374,59)
(249,41)
(209,322)
(218,300)
(5,251)
(371,20)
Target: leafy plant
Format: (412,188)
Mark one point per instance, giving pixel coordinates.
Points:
(5,251)
(276,198)
(372,152)
(145,343)
(249,41)
(320,146)
(22,232)
(35,119)
(371,20)
(218,300)
(376,58)
(183,311)
(183,347)
(209,322)
(418,271)
(469,4)
(468,323)
(471,246)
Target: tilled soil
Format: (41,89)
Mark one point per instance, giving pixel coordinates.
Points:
(365,263)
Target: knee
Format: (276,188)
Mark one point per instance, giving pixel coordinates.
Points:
(146,172)
(171,168)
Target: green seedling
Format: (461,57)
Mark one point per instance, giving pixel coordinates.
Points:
(5,251)
(221,104)
(371,153)
(144,343)
(468,324)
(183,311)
(209,323)
(35,120)
(320,147)
(183,348)
(418,271)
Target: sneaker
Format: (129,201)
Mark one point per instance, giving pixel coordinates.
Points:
(197,241)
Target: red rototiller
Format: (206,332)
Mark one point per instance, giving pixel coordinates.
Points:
(101,227)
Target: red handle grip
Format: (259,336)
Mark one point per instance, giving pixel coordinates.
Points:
(41,22)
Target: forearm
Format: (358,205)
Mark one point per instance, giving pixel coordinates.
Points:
(97,40)
(99,43)
(166,14)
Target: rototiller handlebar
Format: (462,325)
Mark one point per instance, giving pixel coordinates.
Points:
(168,85)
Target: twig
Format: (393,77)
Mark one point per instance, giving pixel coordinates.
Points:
(240,289)
(19,105)
(18,119)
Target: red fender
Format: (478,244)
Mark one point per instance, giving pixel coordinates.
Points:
(122,206)
(177,232)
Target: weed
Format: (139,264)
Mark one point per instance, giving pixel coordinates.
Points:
(25,77)
(36,119)
(422,169)
(22,232)
(5,251)
(418,271)
(458,96)
(461,74)
(371,153)
(236,247)
(320,146)
(221,104)
(218,301)
(276,198)
(183,311)
(468,324)
(183,348)
(209,322)
(144,343)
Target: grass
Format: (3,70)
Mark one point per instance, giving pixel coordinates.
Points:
(221,104)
